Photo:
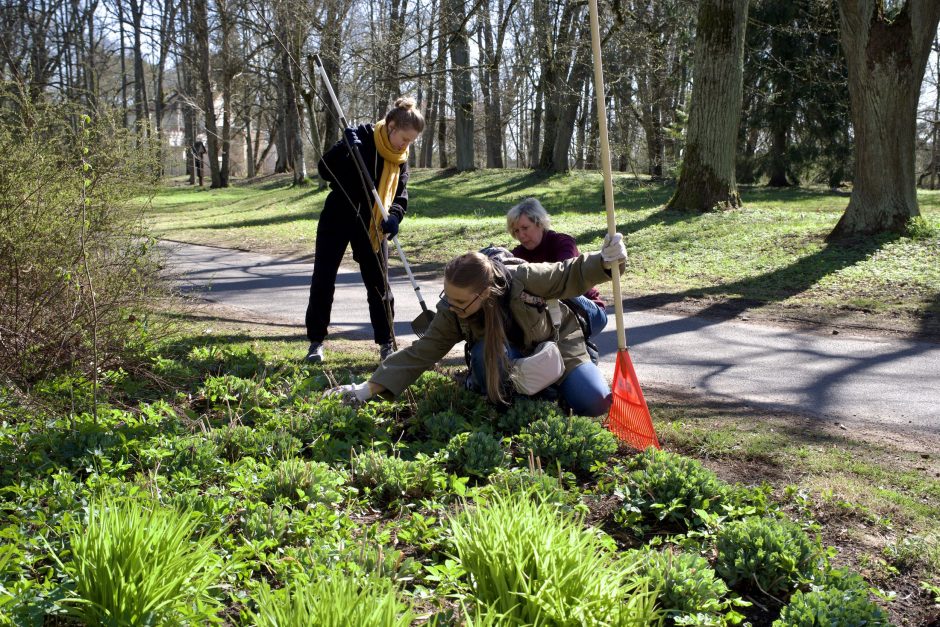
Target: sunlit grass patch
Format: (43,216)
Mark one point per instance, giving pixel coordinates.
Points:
(134,563)
(770,252)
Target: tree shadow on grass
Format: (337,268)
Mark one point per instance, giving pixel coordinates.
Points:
(515,184)
(662,217)
(777,285)
(269,221)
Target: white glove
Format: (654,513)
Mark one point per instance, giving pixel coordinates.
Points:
(353,392)
(613,250)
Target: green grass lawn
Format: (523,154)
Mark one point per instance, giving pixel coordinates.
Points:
(771,253)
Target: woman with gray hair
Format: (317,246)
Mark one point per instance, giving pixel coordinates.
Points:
(529,223)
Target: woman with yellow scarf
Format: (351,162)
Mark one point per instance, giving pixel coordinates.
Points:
(350,217)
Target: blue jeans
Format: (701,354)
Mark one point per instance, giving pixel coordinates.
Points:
(584,389)
(597,315)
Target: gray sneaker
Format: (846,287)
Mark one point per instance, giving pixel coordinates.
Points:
(385,350)
(314,353)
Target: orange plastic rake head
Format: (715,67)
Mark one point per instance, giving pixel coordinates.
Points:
(629,418)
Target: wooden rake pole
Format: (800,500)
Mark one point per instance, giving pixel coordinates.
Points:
(629,416)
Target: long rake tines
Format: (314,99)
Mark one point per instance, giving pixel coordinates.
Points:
(629,417)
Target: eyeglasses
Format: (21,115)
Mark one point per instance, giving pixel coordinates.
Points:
(443,297)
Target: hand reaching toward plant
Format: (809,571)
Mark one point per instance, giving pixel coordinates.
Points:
(353,392)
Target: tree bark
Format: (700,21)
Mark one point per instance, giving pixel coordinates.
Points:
(490,81)
(123,47)
(886,60)
(141,108)
(459,45)
(441,88)
(295,143)
(226,25)
(430,113)
(201,40)
(707,181)
(330,52)
(568,99)
(778,155)
(167,32)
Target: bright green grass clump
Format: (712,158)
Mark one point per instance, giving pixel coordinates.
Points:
(334,601)
(534,565)
(137,564)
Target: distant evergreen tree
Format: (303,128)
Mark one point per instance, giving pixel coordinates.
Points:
(795,124)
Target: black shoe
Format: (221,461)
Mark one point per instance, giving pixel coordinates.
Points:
(385,350)
(314,353)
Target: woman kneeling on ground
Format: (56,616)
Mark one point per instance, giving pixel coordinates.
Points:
(502,312)
(529,223)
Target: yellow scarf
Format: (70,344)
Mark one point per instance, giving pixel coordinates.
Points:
(388,183)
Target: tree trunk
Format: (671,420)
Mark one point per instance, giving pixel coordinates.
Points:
(459,45)
(490,83)
(167,32)
(392,47)
(201,38)
(430,113)
(886,61)
(934,164)
(226,24)
(184,68)
(249,152)
(295,143)
(569,97)
(330,52)
(778,155)
(120,11)
(141,108)
(707,180)
(534,145)
(655,140)
(441,88)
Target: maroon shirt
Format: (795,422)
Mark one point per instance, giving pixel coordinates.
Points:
(555,247)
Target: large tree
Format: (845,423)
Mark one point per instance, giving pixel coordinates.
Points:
(707,181)
(200,26)
(886,53)
(459,45)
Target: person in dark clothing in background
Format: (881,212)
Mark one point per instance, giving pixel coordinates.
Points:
(529,223)
(199,155)
(350,217)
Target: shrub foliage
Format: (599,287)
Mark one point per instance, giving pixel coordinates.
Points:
(576,442)
(765,554)
(76,266)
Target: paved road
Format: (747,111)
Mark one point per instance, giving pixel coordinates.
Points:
(835,377)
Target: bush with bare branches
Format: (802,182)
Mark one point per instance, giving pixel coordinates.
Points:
(76,265)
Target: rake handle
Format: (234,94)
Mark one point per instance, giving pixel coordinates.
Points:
(605,162)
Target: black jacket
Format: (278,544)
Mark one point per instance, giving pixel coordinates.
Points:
(339,169)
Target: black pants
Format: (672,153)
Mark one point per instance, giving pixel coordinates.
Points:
(339,227)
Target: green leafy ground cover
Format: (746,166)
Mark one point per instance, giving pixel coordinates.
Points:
(223,485)
(769,258)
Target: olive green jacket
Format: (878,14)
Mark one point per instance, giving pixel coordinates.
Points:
(564,279)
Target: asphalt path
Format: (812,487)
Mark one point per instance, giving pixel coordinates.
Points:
(844,377)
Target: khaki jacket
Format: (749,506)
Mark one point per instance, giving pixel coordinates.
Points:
(564,279)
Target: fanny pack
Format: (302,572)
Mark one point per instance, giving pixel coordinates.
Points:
(530,375)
